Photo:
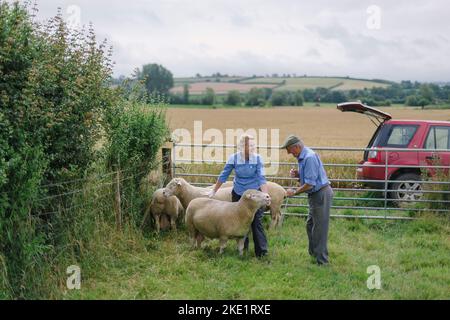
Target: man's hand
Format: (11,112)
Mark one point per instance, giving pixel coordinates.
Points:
(291,192)
(293,173)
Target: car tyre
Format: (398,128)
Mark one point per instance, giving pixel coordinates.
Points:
(404,194)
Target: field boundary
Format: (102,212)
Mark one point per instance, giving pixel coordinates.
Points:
(426,189)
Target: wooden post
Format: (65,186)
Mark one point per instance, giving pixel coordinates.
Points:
(117,206)
(167,167)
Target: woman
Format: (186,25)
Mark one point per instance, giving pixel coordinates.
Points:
(249,174)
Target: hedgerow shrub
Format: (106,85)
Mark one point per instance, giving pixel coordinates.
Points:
(58,117)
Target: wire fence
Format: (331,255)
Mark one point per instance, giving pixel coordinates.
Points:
(391,183)
(90,186)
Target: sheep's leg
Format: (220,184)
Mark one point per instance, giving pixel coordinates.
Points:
(193,241)
(240,243)
(223,244)
(274,215)
(280,219)
(173,224)
(158,226)
(199,239)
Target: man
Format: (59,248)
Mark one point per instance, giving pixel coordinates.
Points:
(313,181)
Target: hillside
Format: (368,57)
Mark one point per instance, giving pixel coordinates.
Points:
(222,85)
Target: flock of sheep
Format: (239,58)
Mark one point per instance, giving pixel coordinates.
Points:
(216,217)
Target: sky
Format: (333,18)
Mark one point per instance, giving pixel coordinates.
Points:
(393,40)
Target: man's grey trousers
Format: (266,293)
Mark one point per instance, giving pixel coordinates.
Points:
(317,223)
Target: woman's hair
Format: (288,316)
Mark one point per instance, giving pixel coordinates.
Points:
(251,144)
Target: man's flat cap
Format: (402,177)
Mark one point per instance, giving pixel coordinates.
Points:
(290,140)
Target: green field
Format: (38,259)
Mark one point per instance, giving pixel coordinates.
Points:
(315,82)
(291,83)
(187,80)
(412,256)
(281,83)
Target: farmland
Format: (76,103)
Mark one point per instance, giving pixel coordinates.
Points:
(315,82)
(225,84)
(324,126)
(220,87)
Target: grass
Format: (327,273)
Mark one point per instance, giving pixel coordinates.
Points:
(315,82)
(413,257)
(224,84)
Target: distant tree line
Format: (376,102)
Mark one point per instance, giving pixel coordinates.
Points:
(159,80)
(407,93)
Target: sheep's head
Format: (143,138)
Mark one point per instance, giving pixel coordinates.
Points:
(261,198)
(173,188)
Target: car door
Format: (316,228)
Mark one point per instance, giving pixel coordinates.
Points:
(438,137)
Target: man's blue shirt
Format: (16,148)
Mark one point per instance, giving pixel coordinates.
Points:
(249,174)
(311,170)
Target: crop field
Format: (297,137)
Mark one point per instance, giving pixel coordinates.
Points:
(189,80)
(318,126)
(219,87)
(225,84)
(314,82)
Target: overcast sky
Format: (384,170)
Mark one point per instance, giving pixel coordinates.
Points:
(392,40)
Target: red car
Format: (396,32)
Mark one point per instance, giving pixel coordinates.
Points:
(411,134)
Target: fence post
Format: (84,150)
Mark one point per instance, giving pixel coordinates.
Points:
(167,161)
(117,205)
(386,185)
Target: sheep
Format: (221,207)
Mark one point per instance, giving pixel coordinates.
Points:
(223,220)
(186,192)
(277,195)
(164,208)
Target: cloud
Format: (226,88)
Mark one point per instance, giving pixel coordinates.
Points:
(273,36)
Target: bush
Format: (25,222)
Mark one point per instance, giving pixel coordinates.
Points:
(233,98)
(134,139)
(280,98)
(256,97)
(209,98)
(56,105)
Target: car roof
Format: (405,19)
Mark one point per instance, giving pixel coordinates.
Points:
(399,121)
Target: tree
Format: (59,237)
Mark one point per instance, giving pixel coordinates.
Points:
(255,97)
(157,79)
(426,95)
(186,93)
(279,98)
(298,98)
(209,97)
(233,98)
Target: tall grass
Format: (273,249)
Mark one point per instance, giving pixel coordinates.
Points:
(412,257)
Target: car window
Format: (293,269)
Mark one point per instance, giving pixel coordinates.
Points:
(400,135)
(438,138)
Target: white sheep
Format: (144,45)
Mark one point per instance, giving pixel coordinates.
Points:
(223,220)
(186,192)
(277,196)
(164,208)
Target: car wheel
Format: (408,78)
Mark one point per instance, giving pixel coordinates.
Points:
(406,193)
